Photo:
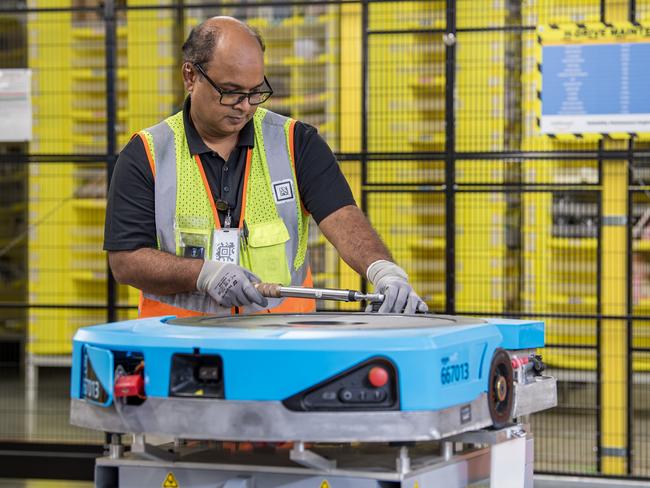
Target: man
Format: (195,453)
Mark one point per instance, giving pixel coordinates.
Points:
(213,199)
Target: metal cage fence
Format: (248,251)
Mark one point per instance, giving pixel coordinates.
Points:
(429,106)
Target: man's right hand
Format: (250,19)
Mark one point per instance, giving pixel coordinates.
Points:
(229,285)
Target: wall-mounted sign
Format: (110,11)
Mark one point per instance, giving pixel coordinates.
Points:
(15,105)
(594,79)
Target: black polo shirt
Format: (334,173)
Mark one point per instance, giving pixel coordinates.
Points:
(130,212)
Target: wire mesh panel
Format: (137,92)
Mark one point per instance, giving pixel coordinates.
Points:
(67,275)
(640,400)
(481,252)
(565,437)
(62,198)
(638,384)
(480,118)
(406,77)
(412,226)
(149,58)
(301,58)
(568,435)
(83,106)
(13,238)
(640,233)
(13,252)
(431,107)
(528,236)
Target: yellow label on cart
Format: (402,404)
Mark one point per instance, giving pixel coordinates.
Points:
(416,485)
(325,484)
(170,481)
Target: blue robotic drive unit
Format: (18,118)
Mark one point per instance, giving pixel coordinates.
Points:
(327,377)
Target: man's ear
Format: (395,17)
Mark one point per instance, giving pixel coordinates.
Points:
(189,76)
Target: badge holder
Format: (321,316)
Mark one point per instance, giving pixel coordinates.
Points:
(225,241)
(225,245)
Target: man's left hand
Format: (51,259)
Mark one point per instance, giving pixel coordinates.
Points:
(392,281)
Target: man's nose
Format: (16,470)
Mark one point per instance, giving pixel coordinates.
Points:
(244,104)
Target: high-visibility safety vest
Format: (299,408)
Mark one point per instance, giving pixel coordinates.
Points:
(186,216)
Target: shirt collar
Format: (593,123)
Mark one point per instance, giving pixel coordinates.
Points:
(196,144)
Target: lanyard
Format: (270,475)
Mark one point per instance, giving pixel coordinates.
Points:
(215,215)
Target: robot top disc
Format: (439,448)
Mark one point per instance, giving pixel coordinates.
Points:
(329,321)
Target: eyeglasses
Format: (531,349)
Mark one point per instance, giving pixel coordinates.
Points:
(232,98)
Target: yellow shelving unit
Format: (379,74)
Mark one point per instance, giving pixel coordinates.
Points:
(151,80)
(301,59)
(301,62)
(406,111)
(567,253)
(152,63)
(67,201)
(561,248)
(50,186)
(480,122)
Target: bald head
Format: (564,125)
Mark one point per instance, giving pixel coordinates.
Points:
(222,54)
(221,35)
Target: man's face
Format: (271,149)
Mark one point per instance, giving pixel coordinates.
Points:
(240,72)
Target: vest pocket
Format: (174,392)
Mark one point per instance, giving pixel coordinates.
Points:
(266,253)
(193,243)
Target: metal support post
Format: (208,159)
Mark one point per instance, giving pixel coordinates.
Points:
(116,448)
(403,462)
(310,459)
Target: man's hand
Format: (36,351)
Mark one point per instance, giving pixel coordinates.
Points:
(392,281)
(229,285)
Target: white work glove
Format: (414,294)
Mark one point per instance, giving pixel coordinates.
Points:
(229,285)
(392,281)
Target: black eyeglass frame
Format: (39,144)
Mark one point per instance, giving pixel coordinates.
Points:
(242,95)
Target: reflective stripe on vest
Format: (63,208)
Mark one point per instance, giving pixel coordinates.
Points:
(170,147)
(281,169)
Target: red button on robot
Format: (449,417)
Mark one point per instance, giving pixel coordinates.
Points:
(378,376)
(129,386)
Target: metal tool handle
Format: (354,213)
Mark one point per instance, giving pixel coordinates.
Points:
(274,290)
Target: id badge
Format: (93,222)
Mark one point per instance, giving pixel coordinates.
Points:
(225,246)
